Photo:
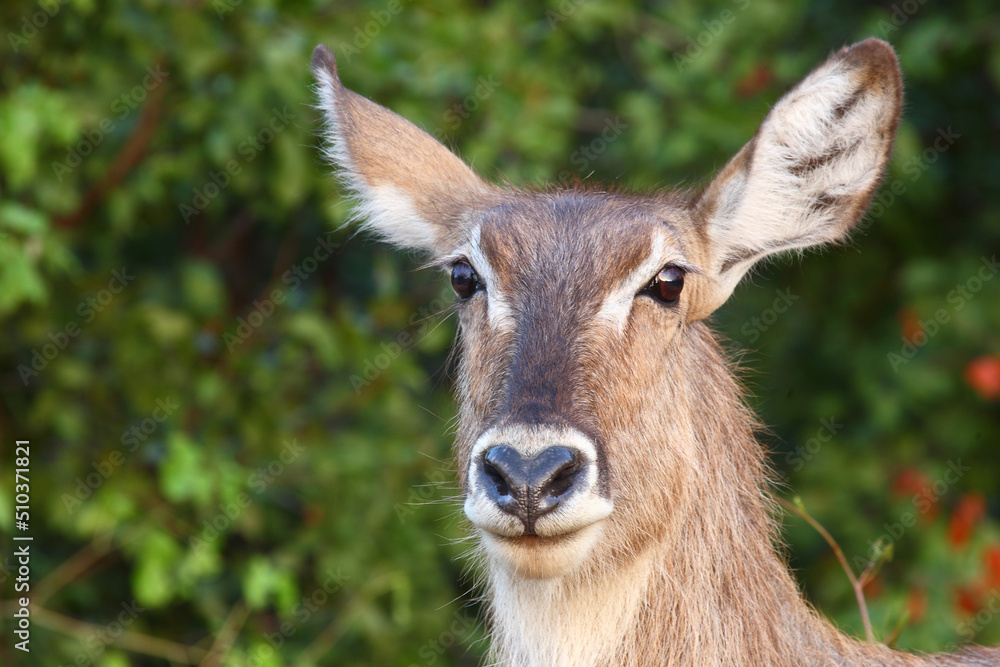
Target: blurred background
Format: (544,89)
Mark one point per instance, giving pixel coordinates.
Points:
(239,412)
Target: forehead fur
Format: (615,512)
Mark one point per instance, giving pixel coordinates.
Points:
(583,239)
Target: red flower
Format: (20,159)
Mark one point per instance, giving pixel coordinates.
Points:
(916,604)
(991,561)
(874,587)
(754,82)
(910,482)
(967,514)
(913,331)
(967,601)
(983,375)
(312,514)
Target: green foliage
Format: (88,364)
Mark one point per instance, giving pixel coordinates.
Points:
(237,405)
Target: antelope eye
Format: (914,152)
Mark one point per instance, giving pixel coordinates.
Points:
(464,280)
(667,285)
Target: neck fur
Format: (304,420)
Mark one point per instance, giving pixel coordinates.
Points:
(710,590)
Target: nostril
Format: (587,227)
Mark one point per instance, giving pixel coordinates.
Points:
(562,480)
(497,478)
(503,469)
(559,477)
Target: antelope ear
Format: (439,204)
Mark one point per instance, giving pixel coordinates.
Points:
(808,174)
(409,189)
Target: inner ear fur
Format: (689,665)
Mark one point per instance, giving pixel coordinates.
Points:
(408,188)
(808,174)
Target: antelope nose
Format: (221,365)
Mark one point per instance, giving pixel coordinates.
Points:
(529,487)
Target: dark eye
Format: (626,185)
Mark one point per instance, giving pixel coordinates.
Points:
(464,280)
(667,285)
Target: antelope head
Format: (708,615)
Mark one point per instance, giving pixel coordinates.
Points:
(586,370)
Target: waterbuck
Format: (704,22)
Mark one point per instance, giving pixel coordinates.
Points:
(606,459)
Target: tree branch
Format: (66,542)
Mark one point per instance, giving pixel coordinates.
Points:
(127,157)
(132,641)
(227,635)
(858,586)
(339,627)
(72,568)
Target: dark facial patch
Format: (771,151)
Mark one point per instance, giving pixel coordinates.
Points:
(555,258)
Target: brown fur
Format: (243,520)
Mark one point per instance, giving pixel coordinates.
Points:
(685,571)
